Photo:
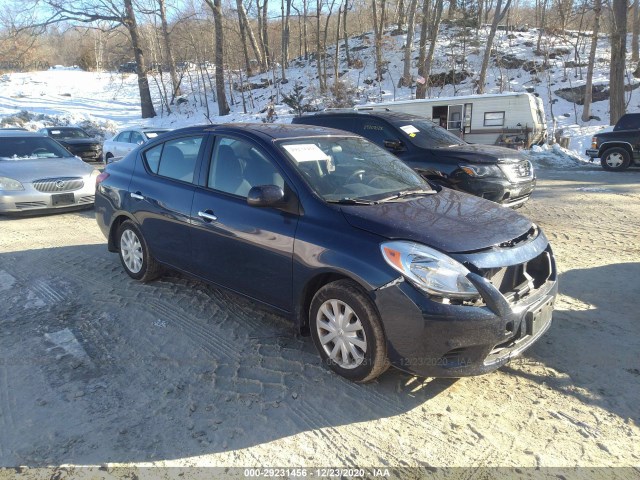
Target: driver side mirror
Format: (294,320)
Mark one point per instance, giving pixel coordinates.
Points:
(266,196)
(394,145)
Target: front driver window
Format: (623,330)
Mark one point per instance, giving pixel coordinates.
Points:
(237,166)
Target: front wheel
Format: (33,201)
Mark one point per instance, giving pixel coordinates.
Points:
(347,331)
(615,159)
(134,253)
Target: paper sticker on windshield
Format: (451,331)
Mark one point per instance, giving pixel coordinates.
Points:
(55,132)
(409,129)
(306,152)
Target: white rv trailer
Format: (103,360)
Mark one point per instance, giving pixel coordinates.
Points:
(509,119)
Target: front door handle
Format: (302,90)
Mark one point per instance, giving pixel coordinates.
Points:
(208,216)
(137,196)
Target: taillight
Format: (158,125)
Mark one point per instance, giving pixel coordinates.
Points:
(101,178)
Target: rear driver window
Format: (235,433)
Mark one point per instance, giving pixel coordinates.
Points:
(175,159)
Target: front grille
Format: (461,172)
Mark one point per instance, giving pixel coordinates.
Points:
(517,172)
(58,185)
(26,205)
(517,281)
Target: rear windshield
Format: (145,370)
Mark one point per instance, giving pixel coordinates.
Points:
(425,134)
(68,133)
(25,148)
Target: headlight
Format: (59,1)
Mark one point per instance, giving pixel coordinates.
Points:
(432,271)
(7,183)
(481,170)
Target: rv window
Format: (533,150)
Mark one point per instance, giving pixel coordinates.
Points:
(494,119)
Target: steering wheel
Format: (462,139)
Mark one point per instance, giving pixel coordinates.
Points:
(355,174)
(38,151)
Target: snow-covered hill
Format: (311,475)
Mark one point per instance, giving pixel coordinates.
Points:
(106,101)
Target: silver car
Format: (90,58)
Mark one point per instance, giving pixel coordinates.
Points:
(126,140)
(39,174)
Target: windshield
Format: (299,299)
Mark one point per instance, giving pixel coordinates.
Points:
(350,168)
(425,134)
(68,133)
(24,148)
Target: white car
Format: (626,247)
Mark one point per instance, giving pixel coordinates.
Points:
(126,140)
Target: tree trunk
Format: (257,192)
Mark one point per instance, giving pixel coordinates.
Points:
(401,15)
(618,58)
(588,94)
(428,60)
(216,8)
(405,80)
(305,13)
(286,13)
(345,35)
(243,40)
(453,7)
(146,104)
(265,33)
(167,47)
(336,58)
(252,38)
(378,24)
(497,18)
(422,55)
(543,13)
(635,54)
(324,40)
(321,77)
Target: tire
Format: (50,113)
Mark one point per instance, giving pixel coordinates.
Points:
(615,159)
(364,343)
(134,253)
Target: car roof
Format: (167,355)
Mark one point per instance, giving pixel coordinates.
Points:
(270,130)
(385,114)
(20,133)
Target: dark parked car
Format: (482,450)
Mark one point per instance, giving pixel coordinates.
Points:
(129,67)
(77,141)
(619,149)
(498,174)
(337,233)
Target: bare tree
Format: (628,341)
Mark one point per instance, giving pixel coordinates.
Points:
(378,29)
(286,13)
(618,60)
(246,29)
(86,11)
(424,68)
(497,18)
(588,92)
(175,82)
(405,80)
(345,35)
(216,8)
(635,54)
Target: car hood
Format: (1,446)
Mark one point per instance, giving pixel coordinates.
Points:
(79,141)
(28,170)
(449,221)
(474,153)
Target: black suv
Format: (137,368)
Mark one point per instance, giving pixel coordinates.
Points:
(619,149)
(499,174)
(77,141)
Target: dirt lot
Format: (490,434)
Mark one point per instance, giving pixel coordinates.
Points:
(96,368)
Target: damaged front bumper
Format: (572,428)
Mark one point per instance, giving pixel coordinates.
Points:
(429,337)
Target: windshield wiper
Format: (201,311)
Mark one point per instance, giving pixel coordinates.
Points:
(406,193)
(352,201)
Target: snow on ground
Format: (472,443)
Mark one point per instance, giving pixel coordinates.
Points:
(109,101)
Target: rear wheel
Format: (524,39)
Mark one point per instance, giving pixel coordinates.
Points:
(134,253)
(347,331)
(615,159)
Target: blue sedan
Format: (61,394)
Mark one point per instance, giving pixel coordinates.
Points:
(377,265)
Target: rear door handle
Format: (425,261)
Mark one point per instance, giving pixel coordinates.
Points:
(208,216)
(137,196)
